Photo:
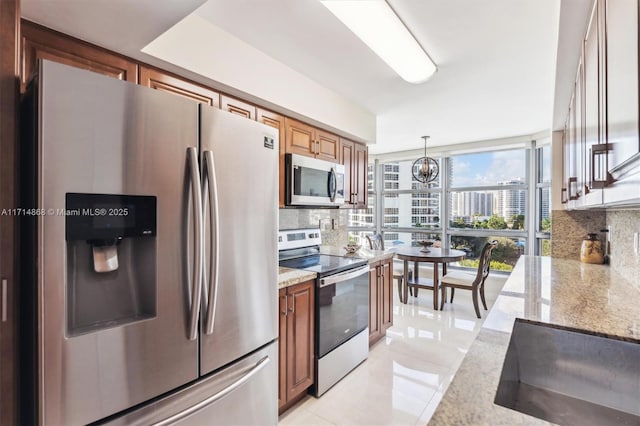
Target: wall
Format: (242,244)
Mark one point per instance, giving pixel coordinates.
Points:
(303,218)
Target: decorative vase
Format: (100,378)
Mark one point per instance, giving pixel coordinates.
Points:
(591,250)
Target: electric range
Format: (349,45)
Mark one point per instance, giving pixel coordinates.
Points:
(341,304)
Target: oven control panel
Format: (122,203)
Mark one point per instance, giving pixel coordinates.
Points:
(299,238)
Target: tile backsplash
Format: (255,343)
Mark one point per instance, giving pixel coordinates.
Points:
(623,224)
(303,218)
(568,229)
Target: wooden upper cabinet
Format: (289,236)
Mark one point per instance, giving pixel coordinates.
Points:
(277,121)
(236,106)
(347,156)
(309,141)
(299,138)
(271,119)
(622,91)
(328,146)
(360,173)
(161,80)
(354,157)
(41,43)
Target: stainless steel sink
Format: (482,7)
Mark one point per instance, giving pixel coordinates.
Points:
(571,377)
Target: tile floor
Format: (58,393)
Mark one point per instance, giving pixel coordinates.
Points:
(407,372)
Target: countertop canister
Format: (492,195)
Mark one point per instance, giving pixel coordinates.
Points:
(591,250)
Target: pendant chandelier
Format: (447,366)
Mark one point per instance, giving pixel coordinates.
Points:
(425,169)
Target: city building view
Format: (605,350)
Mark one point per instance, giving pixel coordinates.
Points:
(486,196)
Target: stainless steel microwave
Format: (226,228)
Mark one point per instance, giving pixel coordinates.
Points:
(313,182)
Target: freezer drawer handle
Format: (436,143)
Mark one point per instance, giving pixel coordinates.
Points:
(196,290)
(210,173)
(213,398)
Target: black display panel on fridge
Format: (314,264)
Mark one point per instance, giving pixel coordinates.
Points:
(109,216)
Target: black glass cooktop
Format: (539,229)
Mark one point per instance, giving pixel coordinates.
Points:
(323,264)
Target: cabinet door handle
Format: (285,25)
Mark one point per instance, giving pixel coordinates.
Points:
(293,305)
(563,196)
(286,305)
(4,300)
(573,181)
(602,179)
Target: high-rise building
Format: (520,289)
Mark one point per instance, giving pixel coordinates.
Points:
(465,205)
(510,202)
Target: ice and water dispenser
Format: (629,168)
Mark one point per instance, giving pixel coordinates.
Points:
(111,260)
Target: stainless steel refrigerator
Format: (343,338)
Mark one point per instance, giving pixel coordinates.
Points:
(149,257)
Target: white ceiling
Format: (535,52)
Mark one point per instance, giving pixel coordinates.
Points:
(496,58)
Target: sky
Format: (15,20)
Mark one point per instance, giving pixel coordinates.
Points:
(488,168)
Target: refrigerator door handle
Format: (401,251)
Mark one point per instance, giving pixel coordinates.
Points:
(210,173)
(215,397)
(196,290)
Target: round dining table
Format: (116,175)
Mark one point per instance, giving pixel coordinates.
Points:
(435,256)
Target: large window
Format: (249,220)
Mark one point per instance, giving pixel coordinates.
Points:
(498,195)
(543,201)
(411,210)
(488,201)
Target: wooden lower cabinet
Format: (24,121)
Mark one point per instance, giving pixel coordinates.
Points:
(380,299)
(296,340)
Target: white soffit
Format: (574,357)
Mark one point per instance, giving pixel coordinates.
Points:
(201,47)
(124,26)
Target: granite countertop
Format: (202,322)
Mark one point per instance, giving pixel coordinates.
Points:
(371,255)
(288,277)
(549,290)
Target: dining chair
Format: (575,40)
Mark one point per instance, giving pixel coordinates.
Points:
(376,242)
(469,280)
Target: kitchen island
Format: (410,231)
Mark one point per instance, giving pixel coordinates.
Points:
(548,290)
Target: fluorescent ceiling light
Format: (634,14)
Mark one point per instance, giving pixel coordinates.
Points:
(377,25)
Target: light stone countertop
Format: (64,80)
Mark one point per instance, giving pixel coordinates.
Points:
(288,277)
(549,290)
(371,255)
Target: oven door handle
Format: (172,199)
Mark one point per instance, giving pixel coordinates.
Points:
(344,276)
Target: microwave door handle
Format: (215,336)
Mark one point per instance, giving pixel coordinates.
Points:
(210,173)
(333,185)
(196,283)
